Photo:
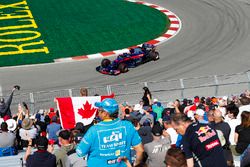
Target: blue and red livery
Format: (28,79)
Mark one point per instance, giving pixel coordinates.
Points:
(123,62)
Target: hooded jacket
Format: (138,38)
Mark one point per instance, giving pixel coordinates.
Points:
(5,106)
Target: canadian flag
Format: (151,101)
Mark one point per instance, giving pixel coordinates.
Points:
(78,109)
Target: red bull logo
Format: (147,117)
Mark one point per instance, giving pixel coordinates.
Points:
(205,133)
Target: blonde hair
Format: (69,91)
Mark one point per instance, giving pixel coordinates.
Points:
(84,92)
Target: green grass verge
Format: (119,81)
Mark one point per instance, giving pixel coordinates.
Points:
(79,27)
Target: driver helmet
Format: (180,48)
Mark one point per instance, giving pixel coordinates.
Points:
(132,50)
(125,54)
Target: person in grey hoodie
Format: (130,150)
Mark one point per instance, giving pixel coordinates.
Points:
(73,159)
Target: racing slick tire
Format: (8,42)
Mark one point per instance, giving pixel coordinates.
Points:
(105,63)
(123,68)
(154,56)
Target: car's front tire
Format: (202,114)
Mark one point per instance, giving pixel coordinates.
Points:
(105,63)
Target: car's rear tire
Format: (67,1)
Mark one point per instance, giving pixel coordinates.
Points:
(154,56)
(105,63)
(123,68)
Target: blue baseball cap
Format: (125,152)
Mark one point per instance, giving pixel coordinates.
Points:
(109,105)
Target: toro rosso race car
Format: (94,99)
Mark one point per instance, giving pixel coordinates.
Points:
(137,56)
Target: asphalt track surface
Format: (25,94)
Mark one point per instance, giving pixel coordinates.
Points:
(214,39)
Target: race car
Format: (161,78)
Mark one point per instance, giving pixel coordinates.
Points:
(134,58)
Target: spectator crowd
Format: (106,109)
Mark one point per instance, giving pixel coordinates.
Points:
(202,131)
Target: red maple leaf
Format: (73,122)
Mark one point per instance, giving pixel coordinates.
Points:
(87,111)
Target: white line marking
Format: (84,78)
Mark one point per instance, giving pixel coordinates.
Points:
(160,8)
(121,51)
(147,4)
(173,19)
(95,56)
(171,32)
(69,59)
(168,13)
(161,39)
(175,25)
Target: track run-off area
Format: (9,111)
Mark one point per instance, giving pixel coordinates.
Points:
(32,32)
(214,39)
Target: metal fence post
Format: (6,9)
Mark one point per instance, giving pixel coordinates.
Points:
(70,93)
(109,91)
(1,91)
(182,88)
(216,82)
(248,76)
(32,103)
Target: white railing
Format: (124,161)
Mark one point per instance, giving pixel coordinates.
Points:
(163,90)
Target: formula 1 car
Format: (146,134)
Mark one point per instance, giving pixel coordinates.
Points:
(123,62)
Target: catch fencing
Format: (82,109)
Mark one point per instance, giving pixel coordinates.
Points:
(164,90)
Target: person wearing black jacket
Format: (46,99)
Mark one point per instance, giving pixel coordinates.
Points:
(201,144)
(224,127)
(41,157)
(5,106)
(147,97)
